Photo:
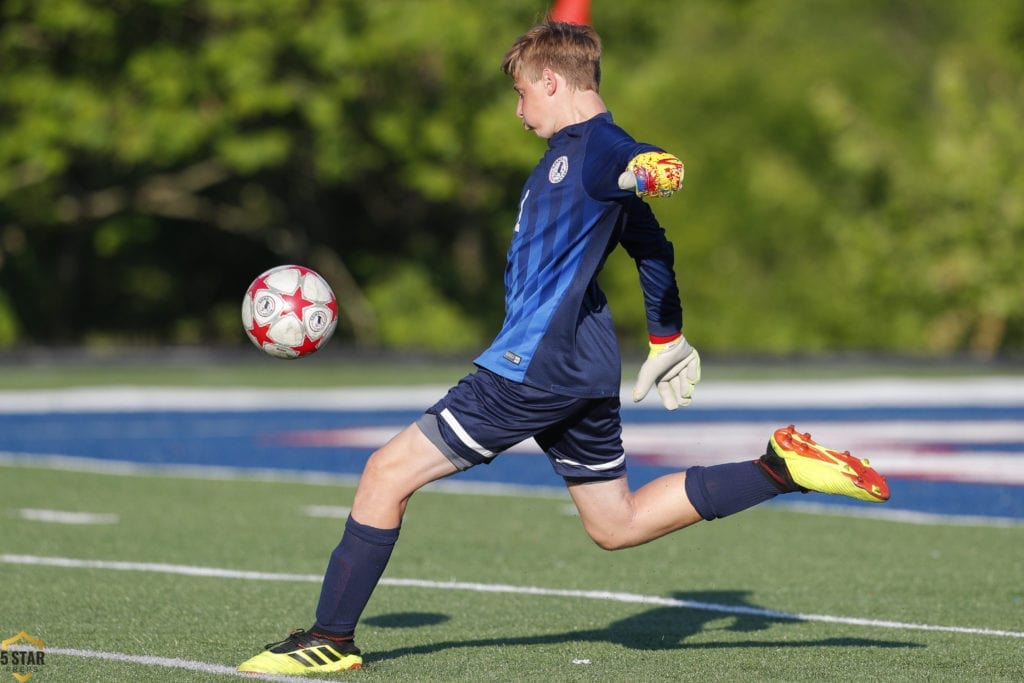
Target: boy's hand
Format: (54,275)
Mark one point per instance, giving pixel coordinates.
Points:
(653,174)
(675,367)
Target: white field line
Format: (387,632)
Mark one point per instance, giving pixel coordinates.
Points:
(127,468)
(327,511)
(869,392)
(610,596)
(896,515)
(66,517)
(171,663)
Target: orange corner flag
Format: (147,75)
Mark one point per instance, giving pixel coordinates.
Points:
(572,11)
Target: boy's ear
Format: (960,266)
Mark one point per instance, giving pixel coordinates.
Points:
(550,81)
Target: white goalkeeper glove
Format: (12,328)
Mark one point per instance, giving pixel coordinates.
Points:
(675,368)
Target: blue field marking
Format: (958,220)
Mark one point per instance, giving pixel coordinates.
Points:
(338,442)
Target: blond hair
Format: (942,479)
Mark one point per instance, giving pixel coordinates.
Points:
(571,50)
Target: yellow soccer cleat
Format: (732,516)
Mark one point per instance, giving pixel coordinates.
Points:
(794,459)
(303,653)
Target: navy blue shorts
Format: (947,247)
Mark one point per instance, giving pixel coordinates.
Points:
(485,414)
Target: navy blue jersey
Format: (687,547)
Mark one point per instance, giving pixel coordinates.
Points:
(558,333)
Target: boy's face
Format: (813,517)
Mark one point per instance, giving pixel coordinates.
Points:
(534,106)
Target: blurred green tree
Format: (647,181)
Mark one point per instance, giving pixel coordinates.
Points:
(852,173)
(853,176)
(157,155)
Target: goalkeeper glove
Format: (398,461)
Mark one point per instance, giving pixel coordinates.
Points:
(653,174)
(673,366)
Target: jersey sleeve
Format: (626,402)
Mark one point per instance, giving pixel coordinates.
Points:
(645,241)
(609,150)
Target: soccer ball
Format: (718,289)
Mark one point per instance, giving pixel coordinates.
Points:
(289,312)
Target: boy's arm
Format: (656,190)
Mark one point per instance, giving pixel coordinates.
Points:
(672,364)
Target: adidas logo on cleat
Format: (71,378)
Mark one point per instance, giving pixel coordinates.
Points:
(303,652)
(320,656)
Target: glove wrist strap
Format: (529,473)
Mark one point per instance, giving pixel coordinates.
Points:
(664,339)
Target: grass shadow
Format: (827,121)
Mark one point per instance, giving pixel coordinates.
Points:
(660,628)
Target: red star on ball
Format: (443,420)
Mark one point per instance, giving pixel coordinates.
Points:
(295,303)
(261,333)
(259,283)
(306,347)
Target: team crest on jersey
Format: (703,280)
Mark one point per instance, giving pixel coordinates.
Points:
(559,169)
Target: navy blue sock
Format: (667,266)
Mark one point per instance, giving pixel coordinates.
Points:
(722,490)
(352,573)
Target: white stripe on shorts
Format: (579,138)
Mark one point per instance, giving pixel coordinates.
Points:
(593,468)
(464,436)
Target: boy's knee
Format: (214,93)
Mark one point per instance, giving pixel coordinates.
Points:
(608,539)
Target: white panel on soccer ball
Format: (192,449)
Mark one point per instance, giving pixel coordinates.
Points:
(286,280)
(287,331)
(247,311)
(279,351)
(319,322)
(315,289)
(266,306)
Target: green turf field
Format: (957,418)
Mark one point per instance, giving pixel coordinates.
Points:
(497,588)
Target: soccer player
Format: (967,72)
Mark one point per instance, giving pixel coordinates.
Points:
(553,371)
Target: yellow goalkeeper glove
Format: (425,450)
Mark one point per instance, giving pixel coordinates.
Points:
(653,174)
